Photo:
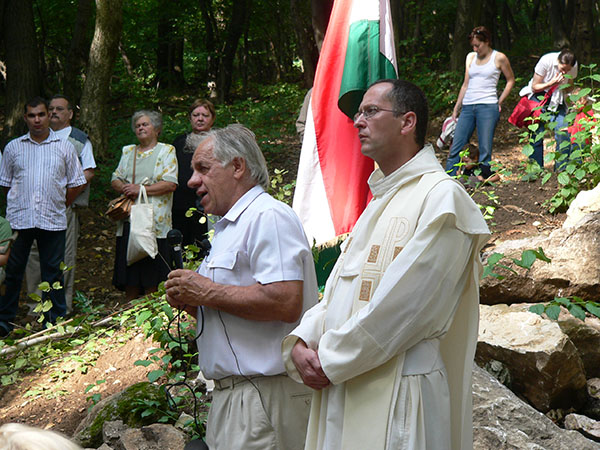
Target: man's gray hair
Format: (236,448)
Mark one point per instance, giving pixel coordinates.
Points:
(193,140)
(237,141)
(154,116)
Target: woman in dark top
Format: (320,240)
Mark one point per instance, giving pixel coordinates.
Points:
(202,117)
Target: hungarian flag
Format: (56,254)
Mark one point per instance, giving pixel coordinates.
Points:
(331,188)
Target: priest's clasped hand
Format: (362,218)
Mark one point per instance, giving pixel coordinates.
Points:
(307,362)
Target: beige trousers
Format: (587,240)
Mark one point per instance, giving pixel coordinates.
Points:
(265,413)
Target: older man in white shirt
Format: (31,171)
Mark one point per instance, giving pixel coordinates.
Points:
(248,294)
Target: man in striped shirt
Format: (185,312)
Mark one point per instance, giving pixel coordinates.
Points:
(42,176)
(61,113)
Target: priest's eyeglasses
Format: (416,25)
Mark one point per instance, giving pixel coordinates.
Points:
(370,111)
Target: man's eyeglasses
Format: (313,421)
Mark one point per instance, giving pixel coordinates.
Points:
(370,111)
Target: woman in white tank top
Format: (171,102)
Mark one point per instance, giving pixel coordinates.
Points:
(478,102)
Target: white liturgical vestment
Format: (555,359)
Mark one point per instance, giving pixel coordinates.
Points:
(397,327)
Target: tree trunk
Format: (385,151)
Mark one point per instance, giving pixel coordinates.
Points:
(103,52)
(169,54)
(556,11)
(78,51)
(321,10)
(23,80)
(416,37)
(306,39)
(583,31)
(513,28)
(210,25)
(462,28)
(235,28)
(487,18)
(504,41)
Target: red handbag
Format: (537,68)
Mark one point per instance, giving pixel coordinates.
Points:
(526,108)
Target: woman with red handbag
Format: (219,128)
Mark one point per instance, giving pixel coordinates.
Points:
(478,100)
(549,74)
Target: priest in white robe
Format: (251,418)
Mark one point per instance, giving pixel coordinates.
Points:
(389,350)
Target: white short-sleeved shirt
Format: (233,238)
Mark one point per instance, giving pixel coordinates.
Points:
(259,240)
(547,68)
(87,155)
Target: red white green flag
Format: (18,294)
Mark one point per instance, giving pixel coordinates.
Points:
(358,49)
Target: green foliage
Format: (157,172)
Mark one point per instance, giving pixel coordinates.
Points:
(498,261)
(94,398)
(576,306)
(174,331)
(124,407)
(482,192)
(581,170)
(271,115)
(440,87)
(280,191)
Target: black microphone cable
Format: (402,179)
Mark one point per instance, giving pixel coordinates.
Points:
(175,238)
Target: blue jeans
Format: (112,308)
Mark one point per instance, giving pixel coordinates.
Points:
(560,136)
(51,245)
(485,117)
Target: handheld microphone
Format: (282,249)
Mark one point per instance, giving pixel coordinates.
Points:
(175,238)
(204,248)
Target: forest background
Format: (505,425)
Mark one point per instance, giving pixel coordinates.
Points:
(112,57)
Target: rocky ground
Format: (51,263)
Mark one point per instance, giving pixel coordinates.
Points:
(48,400)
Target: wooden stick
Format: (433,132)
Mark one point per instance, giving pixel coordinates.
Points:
(44,331)
(32,341)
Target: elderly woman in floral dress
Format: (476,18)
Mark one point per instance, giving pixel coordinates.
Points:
(156,168)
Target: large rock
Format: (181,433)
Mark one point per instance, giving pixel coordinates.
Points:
(574,269)
(586,202)
(157,436)
(121,406)
(586,426)
(585,335)
(502,421)
(544,365)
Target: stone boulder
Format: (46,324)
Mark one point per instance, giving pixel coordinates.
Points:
(502,421)
(121,406)
(585,335)
(157,436)
(586,426)
(586,202)
(544,365)
(574,270)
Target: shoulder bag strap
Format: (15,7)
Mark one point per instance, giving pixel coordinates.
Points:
(548,94)
(135,150)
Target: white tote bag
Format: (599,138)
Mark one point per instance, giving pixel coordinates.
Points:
(142,240)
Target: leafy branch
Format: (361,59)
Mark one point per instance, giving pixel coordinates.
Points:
(498,261)
(576,306)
